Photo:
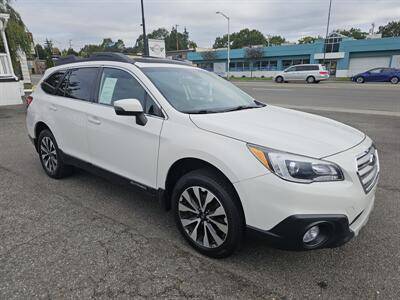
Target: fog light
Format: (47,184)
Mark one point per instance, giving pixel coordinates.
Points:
(311,234)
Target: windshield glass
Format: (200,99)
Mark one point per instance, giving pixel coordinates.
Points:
(192,90)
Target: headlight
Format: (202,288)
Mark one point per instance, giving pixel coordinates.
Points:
(296,168)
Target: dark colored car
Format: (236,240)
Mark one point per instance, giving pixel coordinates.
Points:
(378,75)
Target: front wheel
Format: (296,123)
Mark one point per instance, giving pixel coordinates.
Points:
(360,79)
(279,79)
(394,80)
(207,213)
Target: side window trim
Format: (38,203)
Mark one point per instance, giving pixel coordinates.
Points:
(149,94)
(66,74)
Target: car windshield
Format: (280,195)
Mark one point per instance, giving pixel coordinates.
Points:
(192,90)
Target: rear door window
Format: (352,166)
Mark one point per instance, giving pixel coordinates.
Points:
(51,83)
(301,68)
(80,83)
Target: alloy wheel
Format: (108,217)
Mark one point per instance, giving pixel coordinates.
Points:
(310,79)
(360,80)
(394,80)
(48,154)
(203,217)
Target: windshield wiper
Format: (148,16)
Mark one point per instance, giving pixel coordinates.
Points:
(242,107)
(202,111)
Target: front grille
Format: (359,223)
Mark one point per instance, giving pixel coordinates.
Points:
(368,168)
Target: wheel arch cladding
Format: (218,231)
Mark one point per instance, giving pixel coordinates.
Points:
(186,165)
(39,127)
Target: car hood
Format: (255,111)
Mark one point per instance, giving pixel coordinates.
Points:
(282,129)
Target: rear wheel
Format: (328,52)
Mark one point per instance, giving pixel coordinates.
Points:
(207,213)
(50,156)
(394,80)
(360,79)
(279,79)
(310,79)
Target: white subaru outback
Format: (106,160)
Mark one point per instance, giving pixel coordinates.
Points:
(223,161)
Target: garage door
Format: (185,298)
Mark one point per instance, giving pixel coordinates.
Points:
(362,64)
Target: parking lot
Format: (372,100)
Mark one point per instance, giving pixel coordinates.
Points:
(85,237)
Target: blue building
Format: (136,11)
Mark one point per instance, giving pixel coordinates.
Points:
(344,57)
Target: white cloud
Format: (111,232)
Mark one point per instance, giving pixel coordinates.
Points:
(88,21)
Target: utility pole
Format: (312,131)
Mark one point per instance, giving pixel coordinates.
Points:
(229,41)
(145,45)
(327,29)
(177,41)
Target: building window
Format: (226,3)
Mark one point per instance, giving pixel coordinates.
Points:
(332,42)
(256,65)
(206,66)
(286,63)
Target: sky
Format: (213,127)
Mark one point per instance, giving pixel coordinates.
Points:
(89,21)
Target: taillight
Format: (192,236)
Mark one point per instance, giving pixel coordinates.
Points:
(29,100)
(323,72)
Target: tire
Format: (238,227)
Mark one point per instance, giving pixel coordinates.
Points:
(394,80)
(50,156)
(310,79)
(360,79)
(279,79)
(214,225)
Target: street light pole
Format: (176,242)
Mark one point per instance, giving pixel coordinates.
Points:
(145,45)
(229,41)
(327,29)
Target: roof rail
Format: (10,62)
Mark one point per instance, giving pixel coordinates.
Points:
(113,56)
(98,56)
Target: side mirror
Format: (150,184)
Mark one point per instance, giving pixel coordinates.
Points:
(130,107)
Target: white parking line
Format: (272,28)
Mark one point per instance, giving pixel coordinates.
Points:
(344,110)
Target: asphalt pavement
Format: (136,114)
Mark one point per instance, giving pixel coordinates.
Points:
(85,237)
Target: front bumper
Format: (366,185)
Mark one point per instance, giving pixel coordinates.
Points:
(283,210)
(288,234)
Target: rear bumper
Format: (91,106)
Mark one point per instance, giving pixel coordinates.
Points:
(288,234)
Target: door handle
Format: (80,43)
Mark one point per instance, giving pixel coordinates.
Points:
(94,120)
(53,107)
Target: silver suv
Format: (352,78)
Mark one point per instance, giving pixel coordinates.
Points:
(309,73)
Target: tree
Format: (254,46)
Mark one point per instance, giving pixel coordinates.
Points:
(41,54)
(355,33)
(48,49)
(390,29)
(276,40)
(17,36)
(69,51)
(309,39)
(243,38)
(107,45)
(253,54)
